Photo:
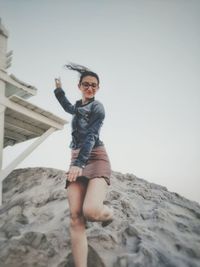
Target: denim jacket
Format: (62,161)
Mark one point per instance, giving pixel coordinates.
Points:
(86,123)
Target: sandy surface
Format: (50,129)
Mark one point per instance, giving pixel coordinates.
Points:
(152,227)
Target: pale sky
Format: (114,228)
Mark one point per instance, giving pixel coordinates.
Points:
(147,55)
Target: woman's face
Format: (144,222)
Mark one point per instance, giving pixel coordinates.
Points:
(88,86)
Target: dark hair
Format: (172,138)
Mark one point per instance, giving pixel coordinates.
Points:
(82,70)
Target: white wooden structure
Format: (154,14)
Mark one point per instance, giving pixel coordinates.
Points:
(20,120)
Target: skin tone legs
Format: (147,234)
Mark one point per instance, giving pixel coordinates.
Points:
(75,194)
(85,202)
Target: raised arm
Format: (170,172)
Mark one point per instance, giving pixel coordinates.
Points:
(60,95)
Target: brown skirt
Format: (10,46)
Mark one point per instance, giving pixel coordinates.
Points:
(98,165)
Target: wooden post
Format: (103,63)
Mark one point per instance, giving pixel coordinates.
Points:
(5,172)
(2,116)
(3,50)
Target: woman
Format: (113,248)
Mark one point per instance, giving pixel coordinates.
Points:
(89,172)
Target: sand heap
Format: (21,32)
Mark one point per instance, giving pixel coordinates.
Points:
(153,227)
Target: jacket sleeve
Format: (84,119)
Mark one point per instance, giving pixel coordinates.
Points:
(67,106)
(96,121)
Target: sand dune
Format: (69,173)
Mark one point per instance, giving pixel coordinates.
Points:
(152,227)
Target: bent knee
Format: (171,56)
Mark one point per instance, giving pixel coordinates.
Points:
(76,218)
(91,212)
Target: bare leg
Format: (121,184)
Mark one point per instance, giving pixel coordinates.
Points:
(76,193)
(93,207)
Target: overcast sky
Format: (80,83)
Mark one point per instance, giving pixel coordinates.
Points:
(146,53)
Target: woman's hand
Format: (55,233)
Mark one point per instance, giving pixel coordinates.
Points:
(58,83)
(73,172)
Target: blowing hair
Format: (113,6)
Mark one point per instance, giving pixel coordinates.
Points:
(82,70)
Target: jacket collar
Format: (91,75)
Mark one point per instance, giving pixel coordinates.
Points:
(82,105)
